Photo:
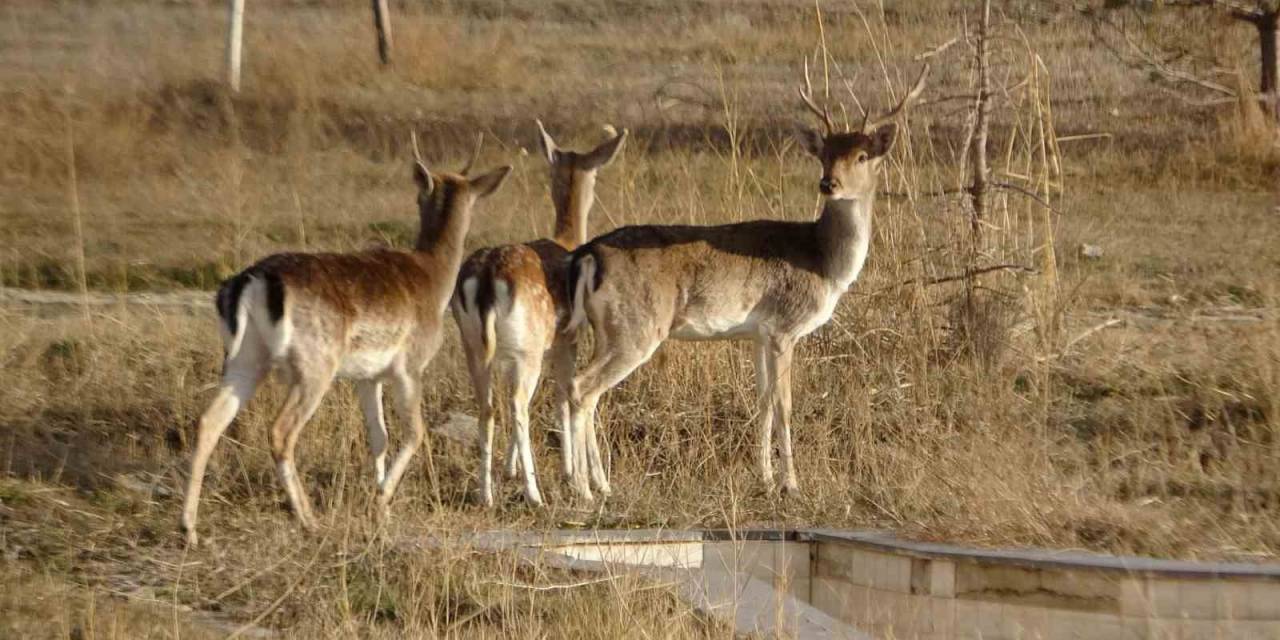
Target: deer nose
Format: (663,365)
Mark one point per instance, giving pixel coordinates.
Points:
(826,185)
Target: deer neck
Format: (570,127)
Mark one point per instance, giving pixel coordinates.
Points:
(844,233)
(441,238)
(572,210)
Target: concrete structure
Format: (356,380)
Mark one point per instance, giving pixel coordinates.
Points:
(848,584)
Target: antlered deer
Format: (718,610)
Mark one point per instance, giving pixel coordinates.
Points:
(770,281)
(511,306)
(373,317)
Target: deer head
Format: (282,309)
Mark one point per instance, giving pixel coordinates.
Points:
(573,177)
(445,199)
(850,159)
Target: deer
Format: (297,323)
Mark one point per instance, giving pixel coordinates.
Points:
(374,317)
(511,306)
(769,281)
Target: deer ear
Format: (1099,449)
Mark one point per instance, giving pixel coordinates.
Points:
(489,182)
(606,152)
(547,145)
(422,177)
(811,141)
(882,139)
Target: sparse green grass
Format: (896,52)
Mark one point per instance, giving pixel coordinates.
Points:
(1155,436)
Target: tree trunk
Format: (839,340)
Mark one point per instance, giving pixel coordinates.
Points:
(382,23)
(235,35)
(1268,42)
(982,124)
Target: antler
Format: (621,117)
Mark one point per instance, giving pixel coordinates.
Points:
(417,155)
(907,100)
(806,94)
(475,154)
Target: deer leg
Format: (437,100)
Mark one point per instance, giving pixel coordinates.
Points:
(524,379)
(782,358)
(409,395)
(240,379)
(303,399)
(513,446)
(370,392)
(482,385)
(563,353)
(602,374)
(765,384)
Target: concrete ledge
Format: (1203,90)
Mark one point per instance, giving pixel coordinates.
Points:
(1048,559)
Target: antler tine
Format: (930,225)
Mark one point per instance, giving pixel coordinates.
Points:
(475,154)
(912,96)
(806,94)
(417,155)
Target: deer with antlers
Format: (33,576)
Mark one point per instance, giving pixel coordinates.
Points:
(769,281)
(374,317)
(511,304)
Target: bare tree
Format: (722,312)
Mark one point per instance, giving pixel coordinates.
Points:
(1262,15)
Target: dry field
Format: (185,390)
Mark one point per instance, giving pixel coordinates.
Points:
(1129,404)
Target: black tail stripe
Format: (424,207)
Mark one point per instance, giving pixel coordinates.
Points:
(484,295)
(227,301)
(275,296)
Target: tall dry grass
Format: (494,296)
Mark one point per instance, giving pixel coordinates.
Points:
(1022,418)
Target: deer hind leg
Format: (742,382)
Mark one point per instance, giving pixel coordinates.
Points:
(781,370)
(409,396)
(305,393)
(482,385)
(523,381)
(606,370)
(765,384)
(370,392)
(240,378)
(563,354)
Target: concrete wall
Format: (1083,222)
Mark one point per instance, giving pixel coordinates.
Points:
(900,594)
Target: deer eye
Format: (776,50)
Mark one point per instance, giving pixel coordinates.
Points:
(861,157)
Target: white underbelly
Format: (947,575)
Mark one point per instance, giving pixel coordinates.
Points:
(717,328)
(367,364)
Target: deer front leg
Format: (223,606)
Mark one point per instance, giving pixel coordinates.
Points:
(765,385)
(409,396)
(782,413)
(370,393)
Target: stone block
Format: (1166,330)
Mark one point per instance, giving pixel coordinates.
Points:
(891,572)
(1083,625)
(833,561)
(1198,599)
(1201,630)
(1091,590)
(966,618)
(1165,597)
(1264,602)
(835,597)
(1135,597)
(942,579)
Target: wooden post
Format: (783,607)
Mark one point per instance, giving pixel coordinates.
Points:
(382,23)
(1268,42)
(235,36)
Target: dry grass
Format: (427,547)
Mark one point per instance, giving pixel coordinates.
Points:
(916,411)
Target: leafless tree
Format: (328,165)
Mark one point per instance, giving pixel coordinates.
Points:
(1171,65)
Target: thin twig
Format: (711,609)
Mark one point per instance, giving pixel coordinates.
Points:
(1028,193)
(556,587)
